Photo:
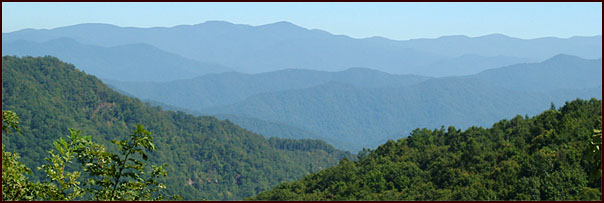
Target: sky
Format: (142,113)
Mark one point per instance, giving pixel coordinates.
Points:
(393,20)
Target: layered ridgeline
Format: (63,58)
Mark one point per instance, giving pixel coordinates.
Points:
(468,64)
(132,62)
(360,107)
(546,157)
(281,45)
(258,126)
(221,89)
(207,158)
(561,72)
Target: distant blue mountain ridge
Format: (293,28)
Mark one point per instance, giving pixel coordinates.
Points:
(284,80)
(362,107)
(283,45)
(131,62)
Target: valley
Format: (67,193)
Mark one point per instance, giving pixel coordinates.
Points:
(395,106)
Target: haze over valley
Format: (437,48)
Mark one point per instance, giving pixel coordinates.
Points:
(352,93)
(228,110)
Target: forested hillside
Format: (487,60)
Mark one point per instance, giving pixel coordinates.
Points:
(353,118)
(362,107)
(207,158)
(550,156)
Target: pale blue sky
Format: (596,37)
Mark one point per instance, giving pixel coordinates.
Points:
(391,20)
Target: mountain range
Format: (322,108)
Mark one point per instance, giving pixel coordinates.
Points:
(227,88)
(131,62)
(352,113)
(350,92)
(236,109)
(283,45)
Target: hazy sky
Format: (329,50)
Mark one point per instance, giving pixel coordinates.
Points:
(391,20)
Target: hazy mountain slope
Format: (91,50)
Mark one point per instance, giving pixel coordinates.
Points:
(546,157)
(246,48)
(559,72)
(132,62)
(360,117)
(357,105)
(268,129)
(207,158)
(258,126)
(282,45)
(497,44)
(467,65)
(227,88)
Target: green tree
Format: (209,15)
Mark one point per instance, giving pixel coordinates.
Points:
(10,120)
(596,154)
(62,184)
(538,158)
(15,184)
(112,176)
(121,177)
(51,96)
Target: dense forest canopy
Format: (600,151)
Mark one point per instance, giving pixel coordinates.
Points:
(551,156)
(207,158)
(555,155)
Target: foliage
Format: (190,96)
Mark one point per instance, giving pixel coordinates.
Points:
(15,185)
(546,157)
(122,177)
(111,177)
(596,154)
(62,184)
(208,158)
(10,120)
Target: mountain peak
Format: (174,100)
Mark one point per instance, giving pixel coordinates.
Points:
(495,35)
(562,57)
(361,70)
(92,26)
(282,24)
(216,22)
